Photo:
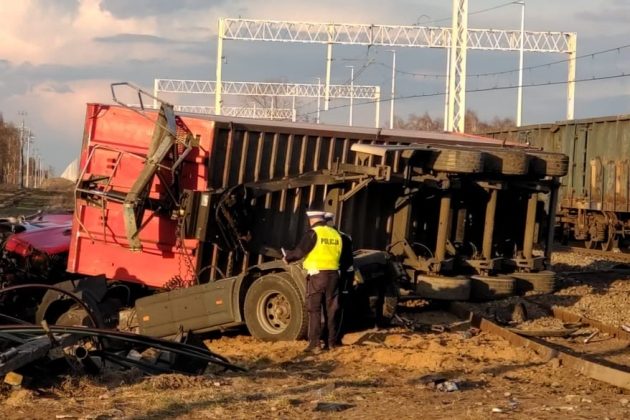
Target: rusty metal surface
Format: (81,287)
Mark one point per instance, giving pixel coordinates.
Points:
(252,180)
(570,317)
(599,150)
(586,366)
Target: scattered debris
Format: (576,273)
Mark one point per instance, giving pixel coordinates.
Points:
(332,407)
(448,386)
(590,337)
(92,349)
(544,333)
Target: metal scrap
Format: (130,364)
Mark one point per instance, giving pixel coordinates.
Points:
(94,349)
(589,367)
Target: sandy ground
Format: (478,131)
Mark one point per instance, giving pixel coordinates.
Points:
(384,374)
(389,374)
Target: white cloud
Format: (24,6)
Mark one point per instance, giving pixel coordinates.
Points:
(80,36)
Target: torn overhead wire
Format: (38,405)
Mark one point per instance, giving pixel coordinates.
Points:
(71,295)
(179,349)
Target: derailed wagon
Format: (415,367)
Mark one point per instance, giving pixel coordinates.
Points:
(184,215)
(594,204)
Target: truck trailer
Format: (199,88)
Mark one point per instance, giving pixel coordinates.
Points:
(179,218)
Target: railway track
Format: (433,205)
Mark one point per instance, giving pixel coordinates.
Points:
(592,348)
(613,256)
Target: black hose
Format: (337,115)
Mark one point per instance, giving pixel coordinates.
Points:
(14,320)
(56,289)
(178,348)
(129,363)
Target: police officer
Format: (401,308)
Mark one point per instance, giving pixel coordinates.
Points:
(321,248)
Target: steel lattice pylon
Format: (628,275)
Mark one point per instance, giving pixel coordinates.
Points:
(398,36)
(305,90)
(295,90)
(457,71)
(244,112)
(390,35)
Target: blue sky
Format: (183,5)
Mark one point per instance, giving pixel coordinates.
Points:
(58,55)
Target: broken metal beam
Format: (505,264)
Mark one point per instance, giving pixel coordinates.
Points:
(591,368)
(32,350)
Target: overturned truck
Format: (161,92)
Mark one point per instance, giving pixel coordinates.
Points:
(179,218)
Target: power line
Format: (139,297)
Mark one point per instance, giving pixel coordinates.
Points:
(427,95)
(589,55)
(472,13)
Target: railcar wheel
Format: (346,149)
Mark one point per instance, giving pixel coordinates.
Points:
(274,309)
(611,243)
(590,244)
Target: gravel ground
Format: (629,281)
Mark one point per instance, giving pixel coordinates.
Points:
(603,296)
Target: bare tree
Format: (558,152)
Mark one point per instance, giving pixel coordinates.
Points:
(472,123)
(9,153)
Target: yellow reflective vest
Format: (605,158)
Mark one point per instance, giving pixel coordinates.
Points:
(326,252)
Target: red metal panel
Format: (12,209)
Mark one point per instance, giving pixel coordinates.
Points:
(116,141)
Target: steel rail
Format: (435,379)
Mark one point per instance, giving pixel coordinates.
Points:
(617,256)
(570,317)
(587,366)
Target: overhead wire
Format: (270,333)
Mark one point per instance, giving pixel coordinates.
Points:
(583,56)
(434,94)
(589,55)
(470,13)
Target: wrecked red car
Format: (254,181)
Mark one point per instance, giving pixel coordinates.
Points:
(34,250)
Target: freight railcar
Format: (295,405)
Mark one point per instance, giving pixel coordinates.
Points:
(594,200)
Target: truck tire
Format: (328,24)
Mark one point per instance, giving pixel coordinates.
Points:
(443,288)
(274,309)
(548,164)
(540,282)
(491,287)
(508,162)
(456,160)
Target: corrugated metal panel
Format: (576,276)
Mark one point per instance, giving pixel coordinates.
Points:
(598,149)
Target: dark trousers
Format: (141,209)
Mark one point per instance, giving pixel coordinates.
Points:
(322,293)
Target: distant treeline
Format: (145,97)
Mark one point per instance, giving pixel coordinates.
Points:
(472,123)
(9,153)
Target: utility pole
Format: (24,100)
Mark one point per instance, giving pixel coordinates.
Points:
(393,95)
(519,100)
(28,156)
(319,97)
(351,93)
(21,157)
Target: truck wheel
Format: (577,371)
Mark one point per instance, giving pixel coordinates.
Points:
(274,309)
(457,160)
(491,287)
(508,162)
(443,288)
(549,164)
(540,282)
